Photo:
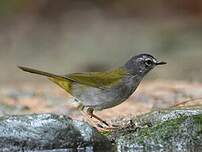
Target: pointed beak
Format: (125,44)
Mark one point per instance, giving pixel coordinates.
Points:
(160,63)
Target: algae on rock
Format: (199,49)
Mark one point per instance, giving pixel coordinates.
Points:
(175,129)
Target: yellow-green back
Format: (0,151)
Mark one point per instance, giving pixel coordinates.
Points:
(101,80)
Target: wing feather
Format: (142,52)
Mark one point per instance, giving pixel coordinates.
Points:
(100,80)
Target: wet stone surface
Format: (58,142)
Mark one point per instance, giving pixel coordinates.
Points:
(173,129)
(49,132)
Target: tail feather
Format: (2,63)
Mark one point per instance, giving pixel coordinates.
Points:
(62,81)
(39,72)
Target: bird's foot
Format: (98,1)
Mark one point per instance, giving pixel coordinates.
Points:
(88,115)
(92,115)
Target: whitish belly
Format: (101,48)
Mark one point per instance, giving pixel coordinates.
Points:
(103,98)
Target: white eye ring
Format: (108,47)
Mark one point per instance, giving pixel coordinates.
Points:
(148,62)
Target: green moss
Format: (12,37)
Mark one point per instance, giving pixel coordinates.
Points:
(198,122)
(161,131)
(106,133)
(177,129)
(166,130)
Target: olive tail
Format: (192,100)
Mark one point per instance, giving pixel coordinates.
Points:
(38,72)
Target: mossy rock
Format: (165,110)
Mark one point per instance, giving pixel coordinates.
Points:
(175,129)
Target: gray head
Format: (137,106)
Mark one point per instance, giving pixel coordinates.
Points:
(141,64)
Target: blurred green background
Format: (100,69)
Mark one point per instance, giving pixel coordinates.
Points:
(94,35)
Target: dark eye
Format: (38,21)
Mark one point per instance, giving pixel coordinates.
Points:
(148,62)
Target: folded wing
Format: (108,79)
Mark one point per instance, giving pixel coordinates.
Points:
(101,80)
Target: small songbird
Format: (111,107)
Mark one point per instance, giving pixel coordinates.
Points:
(102,90)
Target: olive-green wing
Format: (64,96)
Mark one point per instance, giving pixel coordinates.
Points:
(100,80)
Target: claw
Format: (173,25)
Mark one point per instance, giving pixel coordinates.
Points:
(92,115)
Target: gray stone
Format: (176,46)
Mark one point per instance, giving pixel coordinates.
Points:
(173,129)
(49,132)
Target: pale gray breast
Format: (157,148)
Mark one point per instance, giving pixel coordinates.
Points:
(105,98)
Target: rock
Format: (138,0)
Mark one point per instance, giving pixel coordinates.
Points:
(49,132)
(175,129)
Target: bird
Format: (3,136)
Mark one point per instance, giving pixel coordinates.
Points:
(95,91)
